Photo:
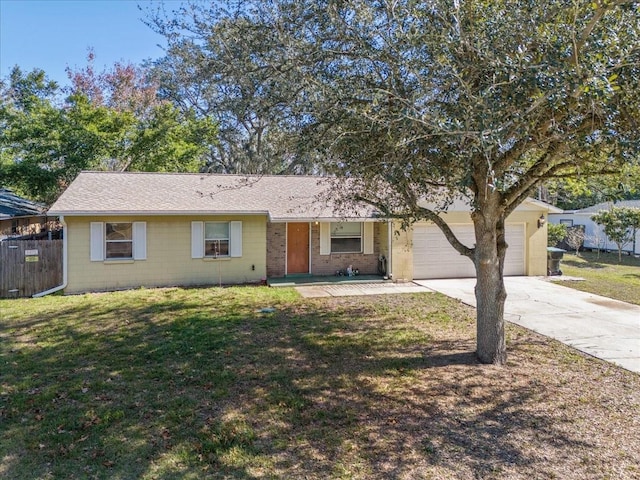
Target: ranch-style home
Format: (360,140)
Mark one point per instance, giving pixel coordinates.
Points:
(126,230)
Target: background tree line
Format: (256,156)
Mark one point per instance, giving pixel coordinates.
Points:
(211,104)
(112,120)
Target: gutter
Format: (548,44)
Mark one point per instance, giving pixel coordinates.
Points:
(64,263)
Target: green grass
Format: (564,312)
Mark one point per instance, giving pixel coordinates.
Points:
(198,383)
(604,275)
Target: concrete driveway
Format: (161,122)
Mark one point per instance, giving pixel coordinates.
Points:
(602,327)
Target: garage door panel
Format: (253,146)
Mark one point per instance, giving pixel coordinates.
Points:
(434,257)
(432,252)
(514,263)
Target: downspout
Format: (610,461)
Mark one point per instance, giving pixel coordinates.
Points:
(64,263)
(389,253)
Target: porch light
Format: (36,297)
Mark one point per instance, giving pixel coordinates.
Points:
(541,221)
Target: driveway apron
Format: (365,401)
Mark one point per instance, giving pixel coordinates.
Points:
(599,326)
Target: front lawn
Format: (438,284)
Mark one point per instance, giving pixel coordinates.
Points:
(204,383)
(604,275)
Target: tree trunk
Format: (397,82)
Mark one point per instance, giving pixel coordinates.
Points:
(490,292)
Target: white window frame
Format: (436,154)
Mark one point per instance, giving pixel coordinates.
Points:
(98,242)
(198,241)
(227,239)
(108,242)
(367,229)
(340,237)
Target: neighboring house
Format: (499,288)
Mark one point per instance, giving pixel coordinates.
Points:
(21,218)
(160,229)
(594,234)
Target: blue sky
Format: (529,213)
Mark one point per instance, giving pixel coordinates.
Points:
(54,34)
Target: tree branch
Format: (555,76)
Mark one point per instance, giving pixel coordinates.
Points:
(448,233)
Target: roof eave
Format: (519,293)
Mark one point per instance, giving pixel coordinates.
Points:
(539,203)
(337,218)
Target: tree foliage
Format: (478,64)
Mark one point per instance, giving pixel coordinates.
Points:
(33,131)
(124,87)
(156,135)
(620,225)
(47,138)
(556,232)
(217,71)
(581,192)
(421,102)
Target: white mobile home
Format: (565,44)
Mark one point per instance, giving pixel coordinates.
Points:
(594,233)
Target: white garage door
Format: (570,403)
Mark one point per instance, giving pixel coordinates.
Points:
(434,257)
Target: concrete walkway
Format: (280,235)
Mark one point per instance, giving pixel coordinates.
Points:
(605,328)
(352,289)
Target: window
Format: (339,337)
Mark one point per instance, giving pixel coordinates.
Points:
(119,240)
(216,239)
(346,237)
(568,223)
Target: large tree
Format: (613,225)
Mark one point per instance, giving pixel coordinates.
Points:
(155,134)
(420,102)
(217,71)
(106,122)
(34,136)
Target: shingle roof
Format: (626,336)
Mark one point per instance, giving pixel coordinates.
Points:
(607,205)
(11,205)
(280,197)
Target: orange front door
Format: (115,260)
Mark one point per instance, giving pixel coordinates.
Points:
(297,248)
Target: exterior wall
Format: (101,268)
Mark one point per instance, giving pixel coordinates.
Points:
(276,250)
(168,260)
(329,264)
(536,238)
(401,267)
(535,244)
(323,264)
(382,233)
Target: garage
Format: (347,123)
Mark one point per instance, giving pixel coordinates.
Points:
(434,257)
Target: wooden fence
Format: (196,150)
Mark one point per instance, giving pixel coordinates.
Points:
(29,266)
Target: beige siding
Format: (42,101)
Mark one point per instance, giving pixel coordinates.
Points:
(401,254)
(382,233)
(535,244)
(168,260)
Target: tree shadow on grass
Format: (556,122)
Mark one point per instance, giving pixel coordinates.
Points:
(178,388)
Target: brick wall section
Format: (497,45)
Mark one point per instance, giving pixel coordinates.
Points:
(276,249)
(328,264)
(320,264)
